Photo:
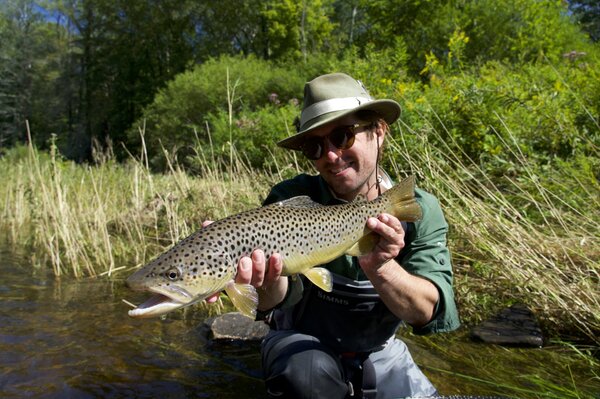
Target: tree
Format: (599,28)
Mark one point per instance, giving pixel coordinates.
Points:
(30,64)
(296,28)
(231,27)
(588,14)
(513,30)
(270,29)
(123,53)
(9,81)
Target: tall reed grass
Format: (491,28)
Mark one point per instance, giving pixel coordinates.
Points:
(96,220)
(111,217)
(501,255)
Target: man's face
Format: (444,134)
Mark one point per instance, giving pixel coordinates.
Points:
(350,172)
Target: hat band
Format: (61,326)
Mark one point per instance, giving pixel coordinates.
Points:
(331,105)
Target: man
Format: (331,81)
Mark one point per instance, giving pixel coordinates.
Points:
(342,344)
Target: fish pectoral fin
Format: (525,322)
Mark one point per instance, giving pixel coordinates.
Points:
(364,245)
(320,277)
(244,297)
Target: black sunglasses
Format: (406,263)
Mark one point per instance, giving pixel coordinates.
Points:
(341,137)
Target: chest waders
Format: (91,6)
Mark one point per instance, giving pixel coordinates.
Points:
(352,321)
(298,365)
(349,331)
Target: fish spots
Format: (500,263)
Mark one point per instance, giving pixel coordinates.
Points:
(303,232)
(293,231)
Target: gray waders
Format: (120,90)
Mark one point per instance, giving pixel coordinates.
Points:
(339,345)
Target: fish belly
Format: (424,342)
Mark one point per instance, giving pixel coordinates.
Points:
(296,263)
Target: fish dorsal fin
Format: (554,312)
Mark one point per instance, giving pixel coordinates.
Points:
(364,245)
(303,201)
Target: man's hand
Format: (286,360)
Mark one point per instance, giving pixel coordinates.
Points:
(391,242)
(254,270)
(265,276)
(411,298)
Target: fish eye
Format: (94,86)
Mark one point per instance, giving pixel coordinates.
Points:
(173,274)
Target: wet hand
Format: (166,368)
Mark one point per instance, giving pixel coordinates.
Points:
(255,270)
(265,275)
(389,245)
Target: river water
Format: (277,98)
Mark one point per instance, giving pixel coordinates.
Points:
(67,338)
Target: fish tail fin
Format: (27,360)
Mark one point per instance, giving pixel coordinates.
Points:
(402,198)
(243,297)
(320,277)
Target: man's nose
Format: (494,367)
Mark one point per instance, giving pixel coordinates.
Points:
(331,151)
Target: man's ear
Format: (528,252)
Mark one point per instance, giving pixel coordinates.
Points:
(381,130)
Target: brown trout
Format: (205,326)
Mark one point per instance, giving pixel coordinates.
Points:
(305,233)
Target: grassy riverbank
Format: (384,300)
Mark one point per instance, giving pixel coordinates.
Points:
(528,237)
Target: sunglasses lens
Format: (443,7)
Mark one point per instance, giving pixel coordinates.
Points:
(342,137)
(312,148)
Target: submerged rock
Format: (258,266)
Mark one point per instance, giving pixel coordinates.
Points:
(512,326)
(235,326)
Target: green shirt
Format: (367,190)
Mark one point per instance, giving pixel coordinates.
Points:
(425,253)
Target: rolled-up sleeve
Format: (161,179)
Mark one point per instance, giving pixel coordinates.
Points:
(426,255)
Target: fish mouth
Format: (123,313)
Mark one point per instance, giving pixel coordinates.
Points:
(156,305)
(160,303)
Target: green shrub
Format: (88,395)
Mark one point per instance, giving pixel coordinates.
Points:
(548,110)
(515,31)
(251,135)
(223,87)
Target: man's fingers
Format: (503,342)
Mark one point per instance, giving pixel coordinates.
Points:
(251,269)
(275,268)
(206,223)
(392,222)
(387,226)
(244,271)
(213,298)
(258,267)
(391,241)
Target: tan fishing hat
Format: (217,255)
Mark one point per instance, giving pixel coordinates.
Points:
(334,96)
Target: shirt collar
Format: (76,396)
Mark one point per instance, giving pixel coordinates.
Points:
(329,197)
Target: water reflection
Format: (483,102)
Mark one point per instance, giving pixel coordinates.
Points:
(74,339)
(67,338)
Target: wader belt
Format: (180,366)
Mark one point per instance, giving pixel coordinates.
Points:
(369,380)
(360,372)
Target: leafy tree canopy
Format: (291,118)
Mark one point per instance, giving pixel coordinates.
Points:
(95,69)
(588,14)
